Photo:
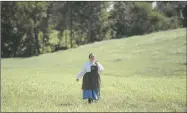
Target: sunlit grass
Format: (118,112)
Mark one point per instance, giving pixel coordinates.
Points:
(142,73)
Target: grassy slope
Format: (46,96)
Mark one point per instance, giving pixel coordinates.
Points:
(142,73)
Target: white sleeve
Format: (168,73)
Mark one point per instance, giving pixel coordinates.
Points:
(82,72)
(100,67)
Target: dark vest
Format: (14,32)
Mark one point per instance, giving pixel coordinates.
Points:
(91,80)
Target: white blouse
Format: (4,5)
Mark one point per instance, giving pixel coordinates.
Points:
(87,68)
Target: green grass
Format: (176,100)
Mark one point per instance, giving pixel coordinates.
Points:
(142,73)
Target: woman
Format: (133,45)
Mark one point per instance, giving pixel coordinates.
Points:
(91,79)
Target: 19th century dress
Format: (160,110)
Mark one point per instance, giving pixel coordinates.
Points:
(91,80)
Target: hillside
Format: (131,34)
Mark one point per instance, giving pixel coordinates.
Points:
(142,73)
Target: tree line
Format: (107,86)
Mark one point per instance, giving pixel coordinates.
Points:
(38,27)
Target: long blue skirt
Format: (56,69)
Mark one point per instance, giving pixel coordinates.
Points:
(91,94)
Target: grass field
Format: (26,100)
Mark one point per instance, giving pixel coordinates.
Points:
(142,73)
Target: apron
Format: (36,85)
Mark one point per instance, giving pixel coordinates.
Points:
(91,80)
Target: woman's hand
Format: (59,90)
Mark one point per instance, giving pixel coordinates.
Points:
(96,63)
(77,80)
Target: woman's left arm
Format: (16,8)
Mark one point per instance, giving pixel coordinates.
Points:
(100,67)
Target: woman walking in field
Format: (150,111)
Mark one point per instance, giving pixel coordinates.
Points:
(91,79)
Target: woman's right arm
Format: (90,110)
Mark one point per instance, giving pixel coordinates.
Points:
(81,73)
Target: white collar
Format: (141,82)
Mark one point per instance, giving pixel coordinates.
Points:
(92,63)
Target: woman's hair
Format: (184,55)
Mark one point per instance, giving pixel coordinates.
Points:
(90,55)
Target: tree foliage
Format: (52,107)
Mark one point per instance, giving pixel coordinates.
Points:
(33,28)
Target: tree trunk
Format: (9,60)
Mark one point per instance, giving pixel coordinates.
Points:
(66,39)
(65,30)
(60,38)
(46,29)
(71,21)
(80,41)
(45,34)
(185,16)
(14,49)
(30,35)
(80,33)
(37,47)
(90,27)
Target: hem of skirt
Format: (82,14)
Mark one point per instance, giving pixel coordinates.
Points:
(90,88)
(91,98)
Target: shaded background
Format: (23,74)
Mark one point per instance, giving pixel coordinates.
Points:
(33,28)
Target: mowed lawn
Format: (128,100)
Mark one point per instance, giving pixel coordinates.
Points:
(142,73)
